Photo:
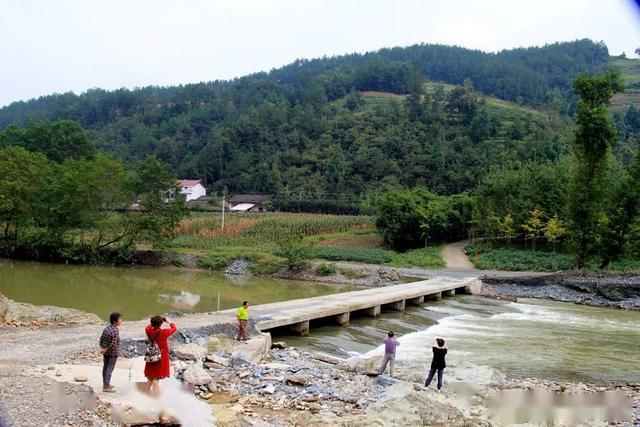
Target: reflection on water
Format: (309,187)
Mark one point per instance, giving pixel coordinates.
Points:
(183,301)
(528,338)
(140,292)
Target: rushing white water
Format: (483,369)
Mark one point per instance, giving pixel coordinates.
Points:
(529,338)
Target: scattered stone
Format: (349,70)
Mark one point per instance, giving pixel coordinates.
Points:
(239,266)
(81,378)
(297,379)
(196,375)
(279,345)
(212,357)
(269,388)
(213,365)
(191,351)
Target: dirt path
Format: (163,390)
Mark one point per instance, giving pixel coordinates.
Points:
(454,256)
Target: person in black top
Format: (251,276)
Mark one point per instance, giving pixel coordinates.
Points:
(437,363)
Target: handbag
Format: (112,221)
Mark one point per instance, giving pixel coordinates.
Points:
(153,353)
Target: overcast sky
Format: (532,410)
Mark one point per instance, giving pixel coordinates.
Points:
(52,46)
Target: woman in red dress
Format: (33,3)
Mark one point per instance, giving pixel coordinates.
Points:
(158,370)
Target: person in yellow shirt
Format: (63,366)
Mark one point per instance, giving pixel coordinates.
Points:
(243,318)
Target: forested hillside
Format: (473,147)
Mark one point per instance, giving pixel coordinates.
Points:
(344,127)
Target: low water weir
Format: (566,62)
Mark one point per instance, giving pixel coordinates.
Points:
(301,315)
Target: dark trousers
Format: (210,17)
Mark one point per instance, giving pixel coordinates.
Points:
(430,377)
(109,363)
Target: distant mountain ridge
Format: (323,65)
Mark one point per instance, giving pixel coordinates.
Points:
(526,75)
(346,127)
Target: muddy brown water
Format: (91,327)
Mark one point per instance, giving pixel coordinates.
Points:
(140,292)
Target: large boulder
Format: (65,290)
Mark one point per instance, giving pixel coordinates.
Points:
(195,374)
(401,405)
(129,415)
(221,344)
(191,351)
(253,350)
(365,365)
(16,312)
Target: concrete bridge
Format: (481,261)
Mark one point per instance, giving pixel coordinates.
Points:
(301,314)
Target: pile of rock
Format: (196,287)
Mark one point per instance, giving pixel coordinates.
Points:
(16,314)
(251,375)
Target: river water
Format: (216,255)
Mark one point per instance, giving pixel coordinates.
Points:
(140,292)
(529,338)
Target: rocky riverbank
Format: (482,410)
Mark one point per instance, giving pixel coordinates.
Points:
(286,386)
(14,314)
(263,383)
(614,290)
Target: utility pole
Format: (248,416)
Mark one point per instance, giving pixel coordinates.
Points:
(223,203)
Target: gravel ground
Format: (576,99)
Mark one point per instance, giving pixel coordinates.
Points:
(39,401)
(558,293)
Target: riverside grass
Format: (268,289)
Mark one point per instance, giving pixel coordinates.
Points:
(511,259)
(487,258)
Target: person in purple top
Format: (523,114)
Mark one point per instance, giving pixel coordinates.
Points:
(390,345)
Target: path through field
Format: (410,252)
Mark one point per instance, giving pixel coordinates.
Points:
(454,256)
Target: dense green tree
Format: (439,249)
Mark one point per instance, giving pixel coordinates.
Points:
(595,133)
(22,176)
(64,139)
(414,218)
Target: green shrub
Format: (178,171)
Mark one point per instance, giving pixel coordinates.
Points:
(213,261)
(326,270)
(296,251)
(366,255)
(176,262)
(429,257)
(350,273)
(486,258)
(625,265)
(259,262)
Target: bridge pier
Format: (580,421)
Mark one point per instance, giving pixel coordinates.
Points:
(373,311)
(342,319)
(415,301)
(397,305)
(449,293)
(434,297)
(301,328)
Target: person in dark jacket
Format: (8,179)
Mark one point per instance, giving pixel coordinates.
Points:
(110,349)
(437,363)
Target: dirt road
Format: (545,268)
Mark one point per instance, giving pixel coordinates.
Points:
(454,256)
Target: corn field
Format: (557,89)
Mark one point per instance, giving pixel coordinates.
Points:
(204,231)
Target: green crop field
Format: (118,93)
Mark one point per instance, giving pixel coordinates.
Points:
(262,230)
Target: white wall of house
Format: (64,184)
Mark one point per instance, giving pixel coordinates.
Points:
(194,192)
